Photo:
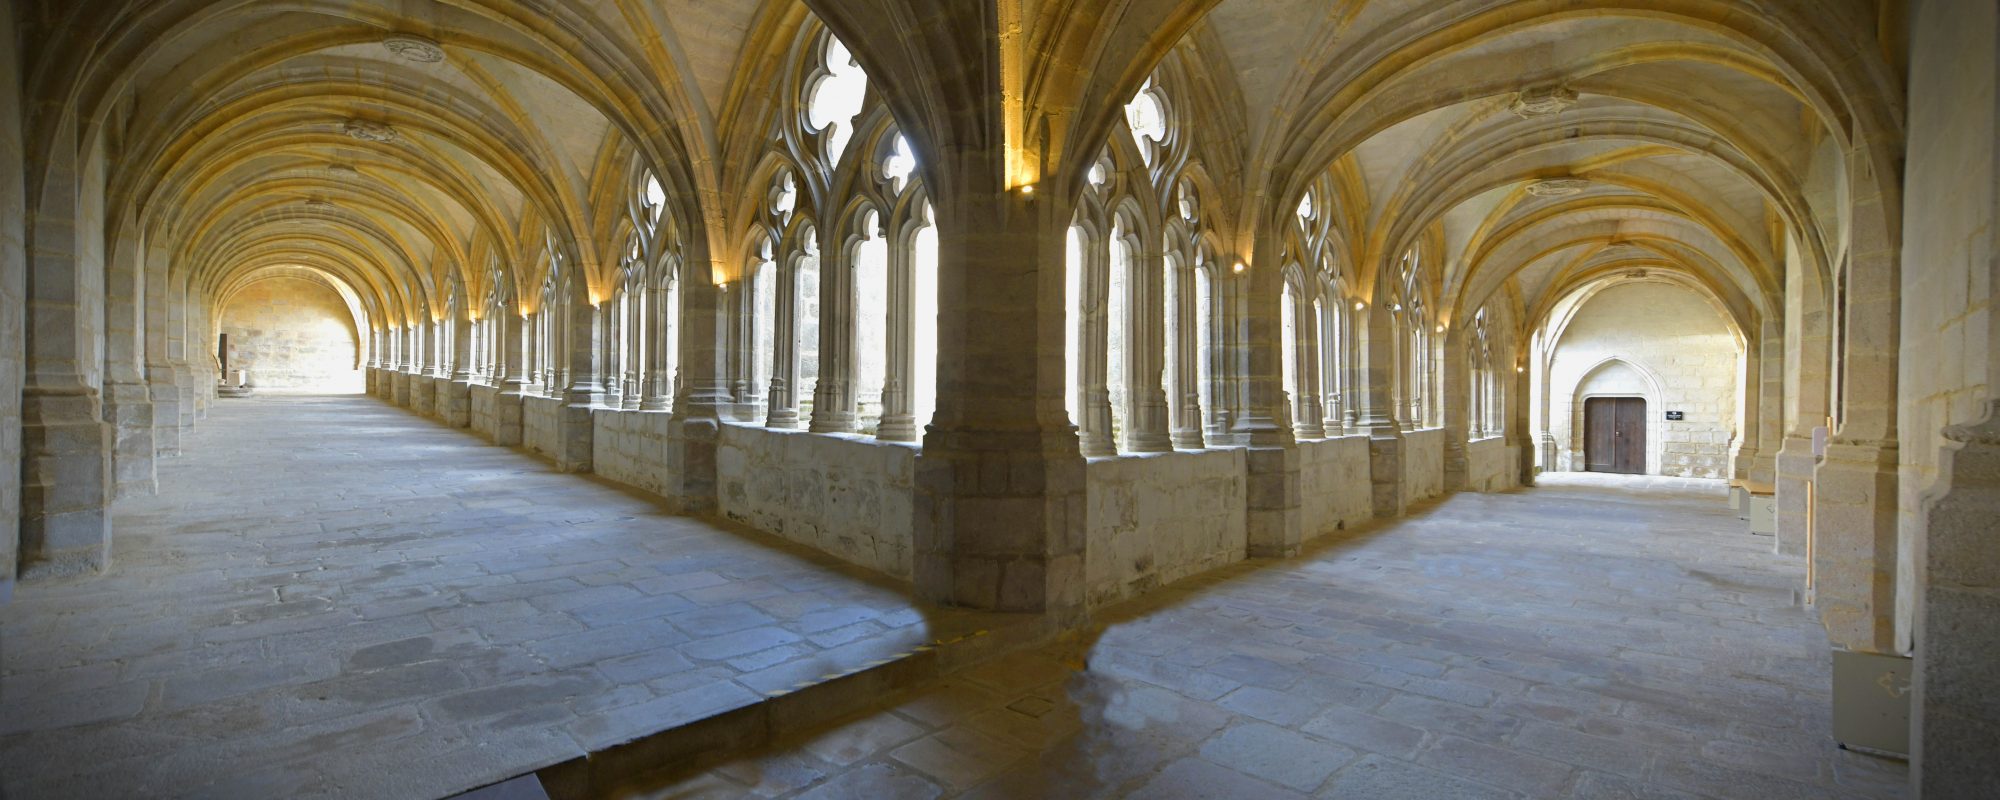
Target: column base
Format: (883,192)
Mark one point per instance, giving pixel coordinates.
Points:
(1854,544)
(166,417)
(1000,519)
(1385,471)
(454,403)
(1956,715)
(692,444)
(1273,499)
(574,437)
(128,407)
(65,484)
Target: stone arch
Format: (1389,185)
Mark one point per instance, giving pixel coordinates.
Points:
(1591,385)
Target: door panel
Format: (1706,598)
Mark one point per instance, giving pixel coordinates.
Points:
(1631,435)
(1600,442)
(1615,434)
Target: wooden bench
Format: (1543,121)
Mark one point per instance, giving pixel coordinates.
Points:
(1756,503)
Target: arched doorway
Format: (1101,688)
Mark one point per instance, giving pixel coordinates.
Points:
(1614,438)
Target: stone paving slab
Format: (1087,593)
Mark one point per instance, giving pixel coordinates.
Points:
(1597,637)
(331,597)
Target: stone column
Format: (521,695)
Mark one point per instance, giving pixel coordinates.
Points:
(584,340)
(999,514)
(128,401)
(1519,381)
(640,323)
(899,422)
(13,305)
(1273,502)
(162,352)
(423,396)
(1459,420)
(1807,345)
(1186,389)
(695,430)
(455,395)
(782,402)
(1375,381)
(180,352)
(834,393)
(659,379)
(1094,429)
(513,368)
(66,453)
(1146,352)
(1854,510)
(406,354)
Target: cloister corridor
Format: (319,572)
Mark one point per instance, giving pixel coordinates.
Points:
(334,597)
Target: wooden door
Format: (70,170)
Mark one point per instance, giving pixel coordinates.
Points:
(1615,435)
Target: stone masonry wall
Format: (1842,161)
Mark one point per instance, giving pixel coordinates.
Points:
(292,333)
(1948,560)
(1156,518)
(1491,465)
(1674,336)
(1948,336)
(1334,485)
(630,447)
(13,304)
(1423,464)
(541,429)
(845,495)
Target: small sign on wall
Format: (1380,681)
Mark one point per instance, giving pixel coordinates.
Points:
(1676,416)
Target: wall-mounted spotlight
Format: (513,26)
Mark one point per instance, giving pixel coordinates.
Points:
(1239,268)
(1358,305)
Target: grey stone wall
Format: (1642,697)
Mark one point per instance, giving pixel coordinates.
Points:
(1334,485)
(1160,517)
(292,333)
(846,495)
(13,301)
(1423,464)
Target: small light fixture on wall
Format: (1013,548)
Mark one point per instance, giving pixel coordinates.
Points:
(1358,305)
(1239,268)
(1028,190)
(1440,329)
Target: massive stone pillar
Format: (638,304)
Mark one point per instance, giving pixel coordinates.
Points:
(454,403)
(13,301)
(1375,380)
(1855,498)
(514,383)
(162,351)
(583,391)
(128,401)
(1459,416)
(66,459)
(705,393)
(1000,501)
(1273,484)
(1952,540)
